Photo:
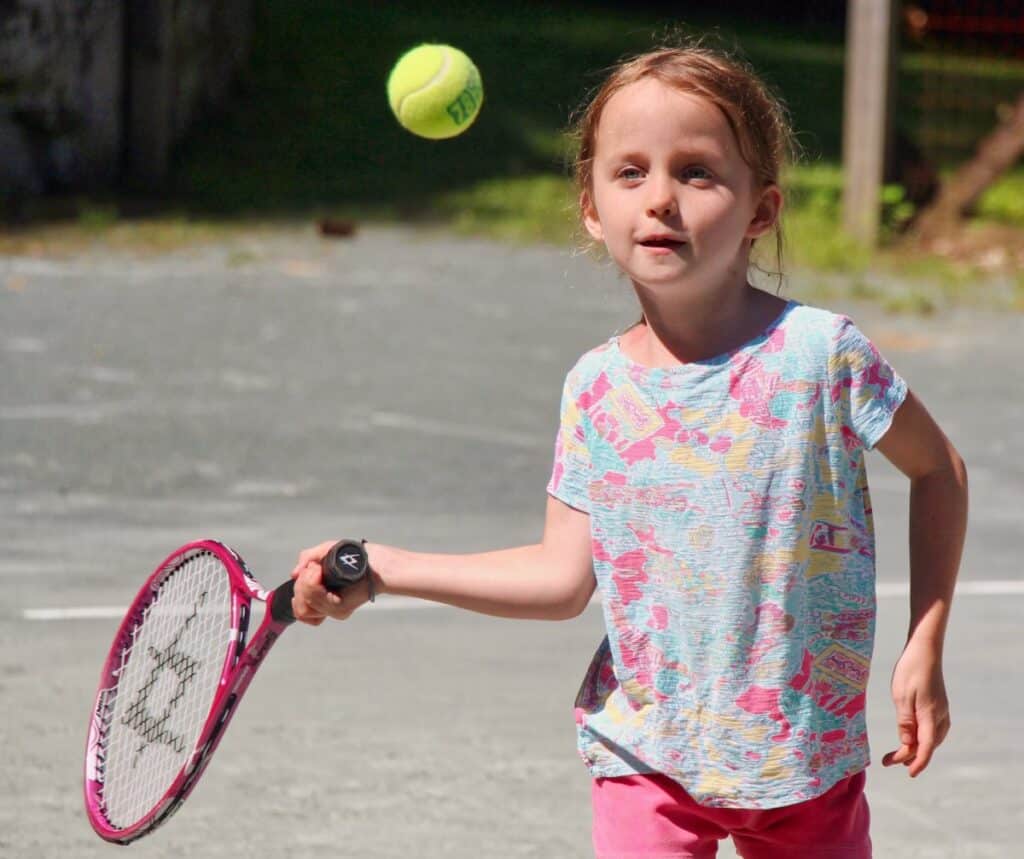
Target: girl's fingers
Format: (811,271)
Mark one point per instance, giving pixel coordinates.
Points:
(921,731)
(310,595)
(906,730)
(930,735)
(312,555)
(922,758)
(316,599)
(903,755)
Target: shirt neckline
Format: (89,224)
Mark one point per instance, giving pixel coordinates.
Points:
(637,369)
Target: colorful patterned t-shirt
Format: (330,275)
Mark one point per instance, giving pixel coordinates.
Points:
(733,547)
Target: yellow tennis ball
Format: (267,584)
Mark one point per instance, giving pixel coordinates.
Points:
(435,91)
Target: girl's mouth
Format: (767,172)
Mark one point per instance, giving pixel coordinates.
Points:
(662,245)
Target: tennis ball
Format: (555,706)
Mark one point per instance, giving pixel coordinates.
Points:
(435,91)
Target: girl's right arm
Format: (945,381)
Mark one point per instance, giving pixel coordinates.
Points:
(550,580)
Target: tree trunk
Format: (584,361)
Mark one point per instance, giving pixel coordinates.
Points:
(996,154)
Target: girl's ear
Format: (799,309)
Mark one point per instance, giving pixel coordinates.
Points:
(766,215)
(590,219)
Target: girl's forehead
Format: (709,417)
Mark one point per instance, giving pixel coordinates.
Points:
(649,110)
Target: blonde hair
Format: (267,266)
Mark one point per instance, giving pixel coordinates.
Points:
(758,119)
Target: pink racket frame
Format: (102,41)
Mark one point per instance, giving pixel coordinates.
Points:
(240,664)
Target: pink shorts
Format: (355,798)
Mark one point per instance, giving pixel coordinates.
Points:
(652,816)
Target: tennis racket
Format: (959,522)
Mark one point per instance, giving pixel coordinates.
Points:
(174,676)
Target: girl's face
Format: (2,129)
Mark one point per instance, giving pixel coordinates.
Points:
(672,198)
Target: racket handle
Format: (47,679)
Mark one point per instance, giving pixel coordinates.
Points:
(344,565)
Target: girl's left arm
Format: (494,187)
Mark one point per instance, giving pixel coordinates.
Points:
(917,446)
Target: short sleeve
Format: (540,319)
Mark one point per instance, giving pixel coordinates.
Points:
(865,389)
(570,475)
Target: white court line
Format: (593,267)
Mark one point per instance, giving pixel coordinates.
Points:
(990,588)
(96,612)
(885,590)
(113,612)
(447,429)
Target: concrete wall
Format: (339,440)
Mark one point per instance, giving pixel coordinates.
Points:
(97,92)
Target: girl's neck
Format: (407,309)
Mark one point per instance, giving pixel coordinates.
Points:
(700,330)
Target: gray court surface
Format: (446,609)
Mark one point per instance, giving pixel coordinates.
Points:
(279,390)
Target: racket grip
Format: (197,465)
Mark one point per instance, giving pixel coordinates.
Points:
(344,565)
(281,602)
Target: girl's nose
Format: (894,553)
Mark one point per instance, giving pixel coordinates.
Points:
(661,203)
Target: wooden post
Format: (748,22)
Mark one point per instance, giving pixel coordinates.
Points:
(870,74)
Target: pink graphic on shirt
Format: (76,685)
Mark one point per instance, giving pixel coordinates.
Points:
(849,625)
(556,475)
(644,448)
(721,444)
(629,576)
(755,388)
(558,472)
(850,440)
(765,702)
(817,679)
(628,573)
(776,341)
(590,398)
(633,427)
(658,618)
(833,747)
(615,477)
(619,416)
(874,376)
(836,391)
(812,400)
(772,625)
(647,537)
(838,539)
(643,662)
(638,452)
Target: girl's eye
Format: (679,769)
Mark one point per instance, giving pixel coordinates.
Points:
(631,173)
(697,172)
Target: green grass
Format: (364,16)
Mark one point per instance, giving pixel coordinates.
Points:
(1004,201)
(539,208)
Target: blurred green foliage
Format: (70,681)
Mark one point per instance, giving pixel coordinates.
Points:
(311,125)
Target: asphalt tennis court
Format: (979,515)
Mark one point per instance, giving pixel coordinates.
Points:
(404,387)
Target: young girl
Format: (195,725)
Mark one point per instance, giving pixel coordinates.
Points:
(709,479)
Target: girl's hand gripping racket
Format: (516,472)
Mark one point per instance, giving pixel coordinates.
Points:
(177,668)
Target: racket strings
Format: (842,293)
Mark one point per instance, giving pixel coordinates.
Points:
(168,673)
(153,728)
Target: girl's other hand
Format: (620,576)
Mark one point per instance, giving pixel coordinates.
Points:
(922,708)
